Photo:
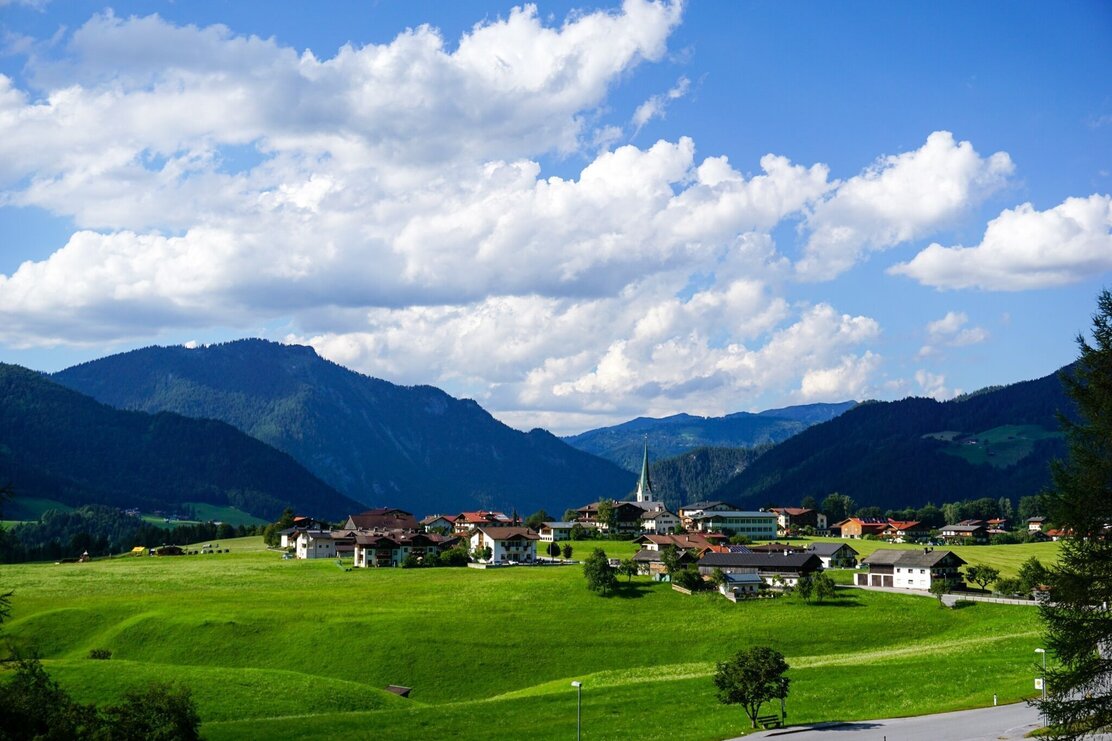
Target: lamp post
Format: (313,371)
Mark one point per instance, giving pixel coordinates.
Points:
(1042,681)
(578,708)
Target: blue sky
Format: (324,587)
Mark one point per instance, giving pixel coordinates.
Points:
(575,214)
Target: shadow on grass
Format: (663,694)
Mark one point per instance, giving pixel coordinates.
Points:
(636,590)
(961,604)
(838,603)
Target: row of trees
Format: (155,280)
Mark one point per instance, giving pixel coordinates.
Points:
(838,507)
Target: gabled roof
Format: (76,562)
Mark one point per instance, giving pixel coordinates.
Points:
(646,556)
(707,504)
(561,525)
(433,518)
(1036,519)
(803,561)
(791,511)
(685,540)
(654,514)
(481,517)
(495,532)
(962,528)
(919,559)
(384,518)
(829,549)
(903,525)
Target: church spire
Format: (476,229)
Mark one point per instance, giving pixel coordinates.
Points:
(644,485)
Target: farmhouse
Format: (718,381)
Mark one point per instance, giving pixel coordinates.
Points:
(742,584)
(507,544)
(967,531)
(787,567)
(791,520)
(438,523)
(659,521)
(1036,524)
(378,549)
(383,518)
(627,517)
(555,531)
(687,511)
(910,569)
(315,544)
(857,527)
(697,542)
(651,562)
(899,531)
(755,525)
(835,555)
(465,522)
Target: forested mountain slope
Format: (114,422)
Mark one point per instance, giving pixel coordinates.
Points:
(904,453)
(670,436)
(60,445)
(383,444)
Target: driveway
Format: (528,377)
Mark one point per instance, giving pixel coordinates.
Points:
(983,724)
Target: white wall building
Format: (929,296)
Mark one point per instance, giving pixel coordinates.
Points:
(755,525)
(507,544)
(315,544)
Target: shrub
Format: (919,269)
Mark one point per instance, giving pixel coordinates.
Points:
(101,654)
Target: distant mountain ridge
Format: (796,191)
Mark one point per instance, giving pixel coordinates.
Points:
(697,474)
(377,442)
(58,444)
(668,437)
(993,443)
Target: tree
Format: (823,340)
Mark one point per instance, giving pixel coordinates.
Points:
(982,574)
(838,507)
(628,569)
(1009,586)
(1030,506)
(689,578)
(158,713)
(272,533)
(567,550)
(1032,574)
(599,573)
(671,557)
(718,577)
(824,587)
(752,678)
(537,519)
(809,502)
(607,515)
(554,549)
(940,588)
(870,512)
(1079,501)
(571,515)
(805,587)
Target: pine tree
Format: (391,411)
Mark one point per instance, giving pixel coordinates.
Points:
(1077,616)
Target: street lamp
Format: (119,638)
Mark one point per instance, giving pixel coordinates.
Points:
(1042,681)
(578,708)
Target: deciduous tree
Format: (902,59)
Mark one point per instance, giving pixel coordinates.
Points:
(752,678)
(805,587)
(599,573)
(824,587)
(982,574)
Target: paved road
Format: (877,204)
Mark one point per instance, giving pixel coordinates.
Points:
(984,724)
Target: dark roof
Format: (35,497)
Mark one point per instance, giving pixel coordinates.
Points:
(804,561)
(384,519)
(963,528)
(829,549)
(647,556)
(921,559)
(397,689)
(709,503)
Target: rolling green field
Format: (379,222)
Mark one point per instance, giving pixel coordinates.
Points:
(299,649)
(999,447)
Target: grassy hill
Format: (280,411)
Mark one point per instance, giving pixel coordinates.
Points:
(379,443)
(268,658)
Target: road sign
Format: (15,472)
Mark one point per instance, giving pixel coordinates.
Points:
(1038,683)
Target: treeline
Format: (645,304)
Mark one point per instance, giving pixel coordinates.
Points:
(101,531)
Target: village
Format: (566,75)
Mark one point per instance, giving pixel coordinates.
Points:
(714,538)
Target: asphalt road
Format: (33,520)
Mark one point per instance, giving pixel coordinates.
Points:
(984,724)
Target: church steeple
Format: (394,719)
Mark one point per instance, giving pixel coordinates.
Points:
(644,485)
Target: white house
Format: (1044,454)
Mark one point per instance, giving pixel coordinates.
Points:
(835,555)
(910,569)
(659,521)
(556,531)
(315,544)
(507,544)
(755,525)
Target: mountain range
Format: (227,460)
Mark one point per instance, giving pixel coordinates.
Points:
(60,445)
(413,447)
(994,443)
(668,437)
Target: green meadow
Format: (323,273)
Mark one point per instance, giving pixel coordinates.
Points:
(300,649)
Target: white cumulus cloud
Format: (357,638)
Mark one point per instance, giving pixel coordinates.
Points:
(1024,249)
(900,198)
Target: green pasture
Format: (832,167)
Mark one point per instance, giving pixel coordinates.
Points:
(1006,558)
(25,509)
(299,649)
(999,447)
